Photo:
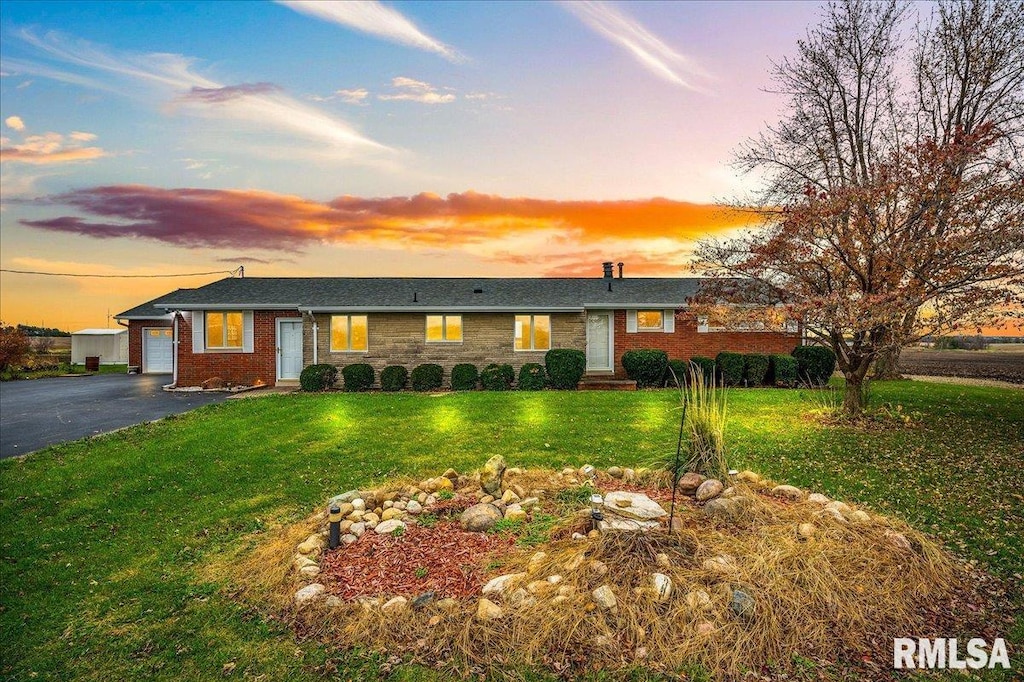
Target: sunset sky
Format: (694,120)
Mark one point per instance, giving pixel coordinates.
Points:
(367,139)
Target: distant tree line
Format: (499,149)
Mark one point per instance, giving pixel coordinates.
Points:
(29,330)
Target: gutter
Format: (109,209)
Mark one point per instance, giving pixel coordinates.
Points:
(174,356)
(525,309)
(316,333)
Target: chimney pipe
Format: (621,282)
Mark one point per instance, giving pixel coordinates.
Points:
(607,265)
(620,269)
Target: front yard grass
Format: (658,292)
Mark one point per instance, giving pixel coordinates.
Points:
(106,543)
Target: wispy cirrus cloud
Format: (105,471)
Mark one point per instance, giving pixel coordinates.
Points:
(376,19)
(412,90)
(50,148)
(644,46)
(559,237)
(174,80)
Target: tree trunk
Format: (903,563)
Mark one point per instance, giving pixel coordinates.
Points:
(853,396)
(886,366)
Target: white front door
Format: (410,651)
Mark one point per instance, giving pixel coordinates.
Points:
(600,343)
(157,350)
(289,349)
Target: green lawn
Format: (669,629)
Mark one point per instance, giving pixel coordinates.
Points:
(104,541)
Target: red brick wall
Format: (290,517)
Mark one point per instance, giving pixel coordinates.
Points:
(135,328)
(686,342)
(233,367)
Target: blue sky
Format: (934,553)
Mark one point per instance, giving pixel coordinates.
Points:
(117,112)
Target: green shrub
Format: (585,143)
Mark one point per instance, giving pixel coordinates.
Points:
(706,366)
(358,377)
(318,377)
(755,368)
(532,377)
(394,378)
(730,367)
(565,367)
(815,364)
(782,370)
(496,377)
(677,373)
(645,367)
(427,377)
(464,377)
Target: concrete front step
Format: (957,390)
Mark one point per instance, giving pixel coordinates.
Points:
(605,383)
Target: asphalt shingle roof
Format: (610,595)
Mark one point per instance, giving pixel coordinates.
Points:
(149,309)
(434,292)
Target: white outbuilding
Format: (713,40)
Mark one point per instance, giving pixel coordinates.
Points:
(109,345)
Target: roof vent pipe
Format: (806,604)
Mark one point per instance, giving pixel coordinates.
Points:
(609,284)
(414,295)
(607,265)
(620,269)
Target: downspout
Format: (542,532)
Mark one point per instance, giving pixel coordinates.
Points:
(316,332)
(174,356)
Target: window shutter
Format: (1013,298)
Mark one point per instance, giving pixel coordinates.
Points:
(247,332)
(198,331)
(668,319)
(631,322)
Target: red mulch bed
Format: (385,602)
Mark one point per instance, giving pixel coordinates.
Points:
(386,565)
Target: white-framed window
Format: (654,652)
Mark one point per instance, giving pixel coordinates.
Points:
(533,332)
(650,320)
(349,334)
(702,324)
(444,328)
(224,330)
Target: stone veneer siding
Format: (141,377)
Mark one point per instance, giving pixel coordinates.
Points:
(400,339)
(687,342)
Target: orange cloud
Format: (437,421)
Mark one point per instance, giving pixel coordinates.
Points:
(470,220)
(50,148)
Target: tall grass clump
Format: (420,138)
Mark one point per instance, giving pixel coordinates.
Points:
(704,425)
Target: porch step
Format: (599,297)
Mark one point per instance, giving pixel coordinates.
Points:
(605,383)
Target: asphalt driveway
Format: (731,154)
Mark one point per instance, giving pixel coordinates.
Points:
(41,412)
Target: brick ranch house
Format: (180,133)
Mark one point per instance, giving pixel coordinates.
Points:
(255,329)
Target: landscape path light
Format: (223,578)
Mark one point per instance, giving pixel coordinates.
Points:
(335,527)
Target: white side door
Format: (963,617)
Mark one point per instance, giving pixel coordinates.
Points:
(289,349)
(600,344)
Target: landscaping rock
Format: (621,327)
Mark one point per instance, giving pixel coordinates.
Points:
(721,508)
(309,594)
(605,598)
(301,561)
(422,600)
(689,482)
(663,560)
(806,530)
(502,583)
(451,474)
(490,476)
(790,492)
(709,489)
(615,472)
(357,529)
(639,506)
(521,599)
(345,508)
(662,586)
(588,471)
(344,498)
(391,513)
(704,628)
(515,513)
(358,504)
(371,517)
(698,600)
(742,604)
(332,601)
(838,506)
(488,610)
(448,604)
(348,539)
(597,569)
(536,561)
(539,587)
(310,571)
(510,497)
(386,527)
(748,476)
(414,507)
(818,498)
(480,517)
(311,545)
(443,484)
(722,564)
(628,475)
(395,606)
(860,517)
(898,540)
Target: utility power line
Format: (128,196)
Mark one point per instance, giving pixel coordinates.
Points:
(237,271)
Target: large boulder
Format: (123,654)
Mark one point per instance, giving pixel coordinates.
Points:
(689,482)
(491,475)
(634,505)
(480,517)
(709,489)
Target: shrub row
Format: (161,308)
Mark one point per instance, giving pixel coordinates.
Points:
(808,364)
(562,369)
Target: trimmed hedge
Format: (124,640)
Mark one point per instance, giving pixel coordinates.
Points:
(318,377)
(782,370)
(645,367)
(394,378)
(495,377)
(730,367)
(755,368)
(815,364)
(681,369)
(464,377)
(706,366)
(427,377)
(565,367)
(532,377)
(358,377)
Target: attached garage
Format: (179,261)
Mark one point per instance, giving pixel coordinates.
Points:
(157,350)
(109,345)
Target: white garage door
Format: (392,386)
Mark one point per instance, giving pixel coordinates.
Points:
(157,353)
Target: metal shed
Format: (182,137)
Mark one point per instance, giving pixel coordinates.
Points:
(110,345)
